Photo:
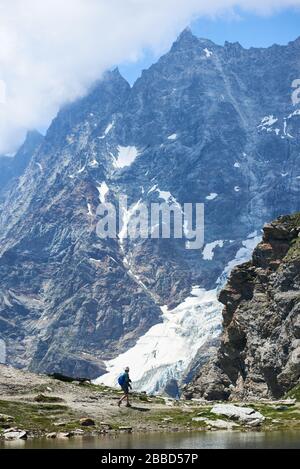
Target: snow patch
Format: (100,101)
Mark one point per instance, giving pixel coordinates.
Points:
(126,217)
(95,261)
(103,190)
(284,127)
(81,170)
(237,165)
(208,53)
(6,300)
(152,189)
(267,121)
(242,255)
(90,213)
(126,156)
(165,195)
(237,189)
(108,128)
(211,196)
(295,113)
(252,235)
(208,250)
(94,163)
(172,137)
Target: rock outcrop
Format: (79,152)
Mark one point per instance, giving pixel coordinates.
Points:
(12,167)
(242,414)
(259,355)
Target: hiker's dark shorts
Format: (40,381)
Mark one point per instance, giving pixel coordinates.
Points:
(125,388)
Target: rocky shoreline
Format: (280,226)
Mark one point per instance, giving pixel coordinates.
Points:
(38,406)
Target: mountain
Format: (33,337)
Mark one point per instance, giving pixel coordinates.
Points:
(259,354)
(206,124)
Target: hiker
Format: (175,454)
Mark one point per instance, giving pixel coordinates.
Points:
(124,381)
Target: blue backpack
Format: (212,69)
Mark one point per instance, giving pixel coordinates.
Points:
(121,379)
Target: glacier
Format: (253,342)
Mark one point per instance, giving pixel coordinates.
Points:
(168,348)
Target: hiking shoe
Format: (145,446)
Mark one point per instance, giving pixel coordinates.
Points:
(128,405)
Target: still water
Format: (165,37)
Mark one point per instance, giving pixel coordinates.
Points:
(198,440)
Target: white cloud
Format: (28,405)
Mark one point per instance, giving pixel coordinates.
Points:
(52,50)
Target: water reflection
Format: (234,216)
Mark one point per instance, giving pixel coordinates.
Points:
(197,440)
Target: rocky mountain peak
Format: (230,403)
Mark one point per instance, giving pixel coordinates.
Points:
(233,45)
(185,39)
(296,42)
(114,75)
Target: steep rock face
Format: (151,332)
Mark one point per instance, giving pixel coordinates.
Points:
(259,355)
(204,124)
(62,287)
(14,167)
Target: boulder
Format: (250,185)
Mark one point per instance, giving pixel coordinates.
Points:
(47,399)
(6,418)
(106,424)
(16,435)
(87,422)
(78,432)
(219,424)
(125,429)
(64,434)
(222,424)
(245,415)
(60,424)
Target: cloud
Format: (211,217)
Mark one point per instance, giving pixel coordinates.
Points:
(52,50)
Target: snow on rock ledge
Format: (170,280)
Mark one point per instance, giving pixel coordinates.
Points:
(126,156)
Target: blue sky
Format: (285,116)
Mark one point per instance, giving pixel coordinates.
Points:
(248,29)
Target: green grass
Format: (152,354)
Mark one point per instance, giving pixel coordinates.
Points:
(294,251)
(294,393)
(43,398)
(36,416)
(143,398)
(292,222)
(181,418)
(285,419)
(98,388)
